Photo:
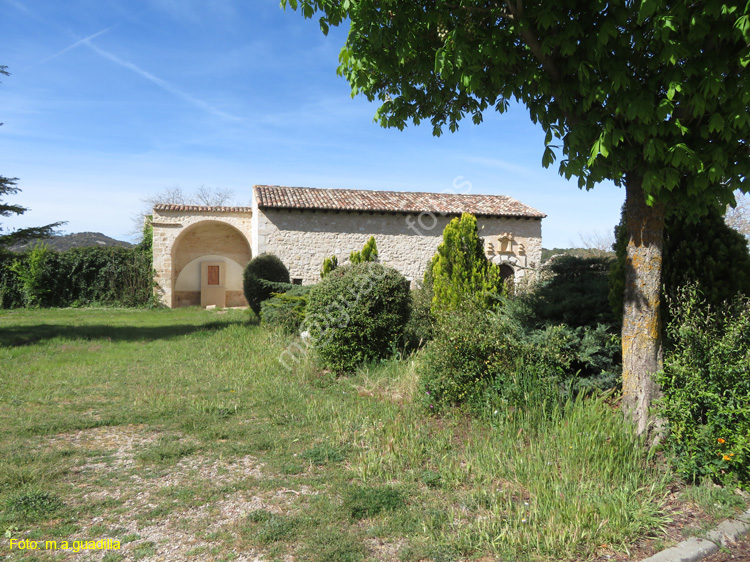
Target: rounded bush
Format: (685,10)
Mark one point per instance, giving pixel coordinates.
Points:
(264,275)
(357,314)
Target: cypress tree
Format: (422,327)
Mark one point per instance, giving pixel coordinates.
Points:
(460,270)
(368,253)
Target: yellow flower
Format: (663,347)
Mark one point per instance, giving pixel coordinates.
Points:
(727,458)
(720,440)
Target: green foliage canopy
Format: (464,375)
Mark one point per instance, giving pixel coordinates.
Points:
(654,90)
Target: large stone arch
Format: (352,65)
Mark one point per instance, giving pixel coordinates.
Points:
(209,240)
(187,239)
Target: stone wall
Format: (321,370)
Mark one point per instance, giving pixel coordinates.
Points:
(303,238)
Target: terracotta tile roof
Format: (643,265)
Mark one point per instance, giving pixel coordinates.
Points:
(202,209)
(279,197)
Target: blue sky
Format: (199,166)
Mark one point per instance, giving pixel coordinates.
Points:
(109,102)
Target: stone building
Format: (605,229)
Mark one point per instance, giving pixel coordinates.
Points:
(200,252)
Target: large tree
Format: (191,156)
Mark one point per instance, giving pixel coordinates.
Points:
(8,186)
(706,252)
(653,95)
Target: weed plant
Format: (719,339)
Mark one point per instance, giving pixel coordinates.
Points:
(706,385)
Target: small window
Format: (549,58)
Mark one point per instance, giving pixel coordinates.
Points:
(297,281)
(213,275)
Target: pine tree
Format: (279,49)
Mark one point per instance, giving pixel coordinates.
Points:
(8,187)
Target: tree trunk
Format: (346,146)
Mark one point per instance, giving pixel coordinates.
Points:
(642,354)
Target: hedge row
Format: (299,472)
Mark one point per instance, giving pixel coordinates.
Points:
(77,277)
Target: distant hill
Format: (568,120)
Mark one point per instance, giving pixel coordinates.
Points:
(69,241)
(578,252)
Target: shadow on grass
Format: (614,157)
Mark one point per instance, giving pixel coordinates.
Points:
(36,333)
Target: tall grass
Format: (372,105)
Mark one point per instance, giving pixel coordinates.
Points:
(551,479)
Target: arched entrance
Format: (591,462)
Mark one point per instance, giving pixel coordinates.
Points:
(208,259)
(508,275)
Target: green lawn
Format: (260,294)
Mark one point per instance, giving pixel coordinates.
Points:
(179,434)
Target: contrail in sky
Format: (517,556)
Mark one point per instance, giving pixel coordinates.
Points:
(163,84)
(80,42)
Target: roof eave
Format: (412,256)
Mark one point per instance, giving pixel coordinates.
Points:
(401,212)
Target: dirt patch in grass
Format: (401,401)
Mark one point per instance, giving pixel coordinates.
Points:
(383,550)
(119,441)
(185,511)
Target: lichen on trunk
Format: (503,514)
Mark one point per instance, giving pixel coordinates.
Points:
(642,353)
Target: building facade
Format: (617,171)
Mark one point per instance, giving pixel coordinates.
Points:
(200,252)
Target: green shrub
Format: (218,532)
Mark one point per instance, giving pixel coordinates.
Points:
(264,275)
(576,293)
(31,274)
(460,270)
(11,294)
(116,276)
(286,310)
(78,277)
(706,386)
(479,353)
(357,314)
(589,357)
(420,327)
(466,355)
(368,253)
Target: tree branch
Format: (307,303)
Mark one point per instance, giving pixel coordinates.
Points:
(530,37)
